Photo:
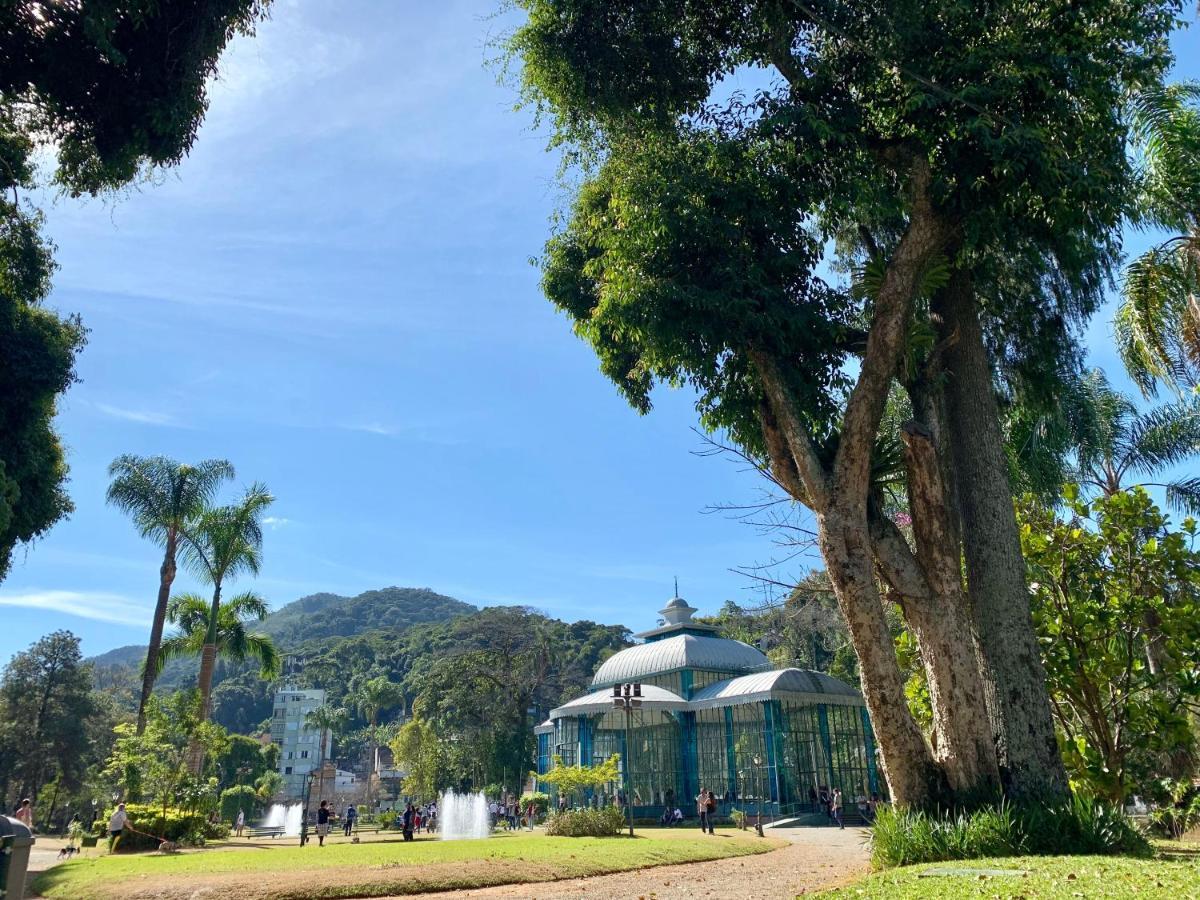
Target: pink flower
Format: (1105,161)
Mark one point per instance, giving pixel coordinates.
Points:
(903,519)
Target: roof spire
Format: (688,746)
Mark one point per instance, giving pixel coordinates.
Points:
(676,585)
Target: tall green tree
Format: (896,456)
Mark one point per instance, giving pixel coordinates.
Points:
(372,697)
(1157,324)
(192,613)
(162,497)
(102,93)
(970,159)
(329,721)
(45,705)
(1100,571)
(224,543)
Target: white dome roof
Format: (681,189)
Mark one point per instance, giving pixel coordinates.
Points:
(681,651)
(653,697)
(806,685)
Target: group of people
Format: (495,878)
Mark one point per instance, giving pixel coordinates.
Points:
(507,812)
(414,818)
(671,817)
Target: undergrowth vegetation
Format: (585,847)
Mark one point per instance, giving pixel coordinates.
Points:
(1079,826)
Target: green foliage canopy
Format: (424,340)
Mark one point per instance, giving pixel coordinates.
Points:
(1107,579)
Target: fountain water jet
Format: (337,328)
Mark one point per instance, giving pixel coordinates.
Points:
(286,816)
(462,816)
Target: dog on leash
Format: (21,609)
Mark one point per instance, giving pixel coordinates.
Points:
(168,847)
(68,851)
(354,840)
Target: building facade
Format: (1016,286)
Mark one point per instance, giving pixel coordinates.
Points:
(300,750)
(715,714)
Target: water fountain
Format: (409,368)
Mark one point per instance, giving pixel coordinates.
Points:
(463,816)
(286,816)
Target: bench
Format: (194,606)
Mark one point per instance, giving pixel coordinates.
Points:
(273,831)
(362,829)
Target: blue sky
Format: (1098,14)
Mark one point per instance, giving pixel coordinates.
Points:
(334,292)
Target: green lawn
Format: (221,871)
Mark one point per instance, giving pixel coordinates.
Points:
(1175,874)
(380,868)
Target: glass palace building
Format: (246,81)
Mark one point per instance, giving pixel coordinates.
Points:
(716,715)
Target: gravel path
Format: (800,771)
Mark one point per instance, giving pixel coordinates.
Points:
(815,859)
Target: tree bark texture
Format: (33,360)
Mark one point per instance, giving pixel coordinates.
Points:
(1006,644)
(941,623)
(166,577)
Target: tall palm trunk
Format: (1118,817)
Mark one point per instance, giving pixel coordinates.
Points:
(1009,658)
(208,665)
(166,576)
(208,657)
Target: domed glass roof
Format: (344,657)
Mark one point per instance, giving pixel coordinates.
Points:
(680,651)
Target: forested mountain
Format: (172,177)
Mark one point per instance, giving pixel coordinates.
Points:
(317,617)
(452,659)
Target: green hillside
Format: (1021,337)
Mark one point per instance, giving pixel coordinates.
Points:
(316,617)
(414,636)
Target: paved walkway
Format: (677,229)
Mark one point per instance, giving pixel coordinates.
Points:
(42,855)
(816,858)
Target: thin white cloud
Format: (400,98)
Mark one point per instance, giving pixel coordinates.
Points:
(373,428)
(142,417)
(274,522)
(100,606)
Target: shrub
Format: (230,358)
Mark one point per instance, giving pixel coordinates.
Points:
(540,801)
(739,818)
(387,818)
(237,798)
(148,826)
(1181,811)
(605,822)
(1078,826)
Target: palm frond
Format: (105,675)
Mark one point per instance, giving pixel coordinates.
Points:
(262,650)
(1156,324)
(1164,436)
(1184,496)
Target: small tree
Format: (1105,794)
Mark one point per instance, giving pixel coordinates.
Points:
(569,779)
(1097,577)
(420,753)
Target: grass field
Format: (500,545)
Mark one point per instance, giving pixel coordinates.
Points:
(379,868)
(1174,874)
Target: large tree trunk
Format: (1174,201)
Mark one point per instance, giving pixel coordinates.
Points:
(913,778)
(1009,659)
(166,576)
(941,623)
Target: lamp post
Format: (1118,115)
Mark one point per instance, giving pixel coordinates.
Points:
(627,697)
(758,796)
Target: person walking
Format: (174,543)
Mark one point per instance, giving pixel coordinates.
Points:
(836,807)
(351,818)
(116,826)
(240,823)
(24,813)
(705,805)
(408,822)
(322,822)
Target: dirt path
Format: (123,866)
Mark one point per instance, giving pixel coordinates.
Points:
(816,858)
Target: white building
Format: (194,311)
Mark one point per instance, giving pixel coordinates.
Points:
(299,744)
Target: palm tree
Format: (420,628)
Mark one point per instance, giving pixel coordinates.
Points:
(191,613)
(374,695)
(1157,324)
(162,496)
(223,543)
(327,720)
(1118,447)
